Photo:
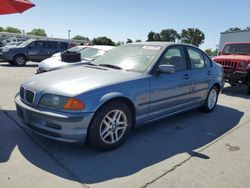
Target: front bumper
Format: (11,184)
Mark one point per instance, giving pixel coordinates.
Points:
(236,77)
(40,70)
(66,127)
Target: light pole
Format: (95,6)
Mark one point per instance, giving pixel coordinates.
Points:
(69,34)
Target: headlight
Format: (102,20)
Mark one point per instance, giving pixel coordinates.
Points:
(242,64)
(6,49)
(61,102)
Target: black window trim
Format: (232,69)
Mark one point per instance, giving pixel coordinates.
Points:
(155,70)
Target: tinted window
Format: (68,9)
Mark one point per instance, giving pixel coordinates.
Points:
(196,58)
(174,56)
(37,45)
(63,46)
(51,45)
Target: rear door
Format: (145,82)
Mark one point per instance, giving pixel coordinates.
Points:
(37,51)
(171,92)
(201,73)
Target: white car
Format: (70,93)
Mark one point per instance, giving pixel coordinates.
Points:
(87,54)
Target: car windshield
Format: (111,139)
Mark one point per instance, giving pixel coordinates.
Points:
(237,49)
(135,57)
(91,53)
(75,49)
(25,43)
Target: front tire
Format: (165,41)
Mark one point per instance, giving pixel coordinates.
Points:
(110,126)
(211,100)
(20,60)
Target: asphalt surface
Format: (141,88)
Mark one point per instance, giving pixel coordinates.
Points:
(192,149)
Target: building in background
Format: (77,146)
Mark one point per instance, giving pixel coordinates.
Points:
(234,36)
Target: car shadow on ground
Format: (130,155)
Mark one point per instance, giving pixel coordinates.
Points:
(29,64)
(236,91)
(146,146)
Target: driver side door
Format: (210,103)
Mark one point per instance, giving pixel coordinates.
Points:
(170,93)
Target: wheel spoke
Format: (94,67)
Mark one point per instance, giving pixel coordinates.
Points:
(106,123)
(106,135)
(113,126)
(105,131)
(112,137)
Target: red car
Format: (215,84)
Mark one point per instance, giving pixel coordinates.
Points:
(235,59)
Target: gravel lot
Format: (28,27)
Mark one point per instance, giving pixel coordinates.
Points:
(192,149)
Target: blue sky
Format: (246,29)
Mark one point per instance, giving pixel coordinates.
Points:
(122,19)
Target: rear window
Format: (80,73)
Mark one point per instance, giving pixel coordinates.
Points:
(63,46)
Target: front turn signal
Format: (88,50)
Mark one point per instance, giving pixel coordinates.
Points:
(74,104)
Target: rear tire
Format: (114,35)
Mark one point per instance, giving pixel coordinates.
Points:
(20,60)
(248,89)
(211,100)
(110,126)
(248,79)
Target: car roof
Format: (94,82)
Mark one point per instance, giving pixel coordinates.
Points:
(160,43)
(100,47)
(49,40)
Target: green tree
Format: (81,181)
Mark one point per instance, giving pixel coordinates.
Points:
(80,37)
(192,36)
(1,29)
(157,37)
(103,41)
(129,41)
(37,32)
(119,43)
(232,29)
(209,51)
(12,30)
(138,40)
(169,35)
(151,35)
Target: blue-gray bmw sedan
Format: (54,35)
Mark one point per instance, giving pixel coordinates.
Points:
(130,85)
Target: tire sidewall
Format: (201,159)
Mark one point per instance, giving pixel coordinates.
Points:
(15,60)
(205,107)
(94,138)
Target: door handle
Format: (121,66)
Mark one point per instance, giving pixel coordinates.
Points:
(186,77)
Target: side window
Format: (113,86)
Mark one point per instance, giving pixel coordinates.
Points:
(63,46)
(196,58)
(174,56)
(51,45)
(207,61)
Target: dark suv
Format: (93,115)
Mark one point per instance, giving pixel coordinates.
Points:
(32,50)
(235,59)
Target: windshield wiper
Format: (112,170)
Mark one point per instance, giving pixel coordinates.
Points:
(111,66)
(89,63)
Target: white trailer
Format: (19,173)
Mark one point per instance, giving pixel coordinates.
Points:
(234,36)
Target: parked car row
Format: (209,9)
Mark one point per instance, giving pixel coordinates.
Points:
(100,102)
(32,50)
(72,57)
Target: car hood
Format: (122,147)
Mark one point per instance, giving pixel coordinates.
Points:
(55,62)
(76,80)
(233,57)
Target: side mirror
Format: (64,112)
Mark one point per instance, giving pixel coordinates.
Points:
(167,69)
